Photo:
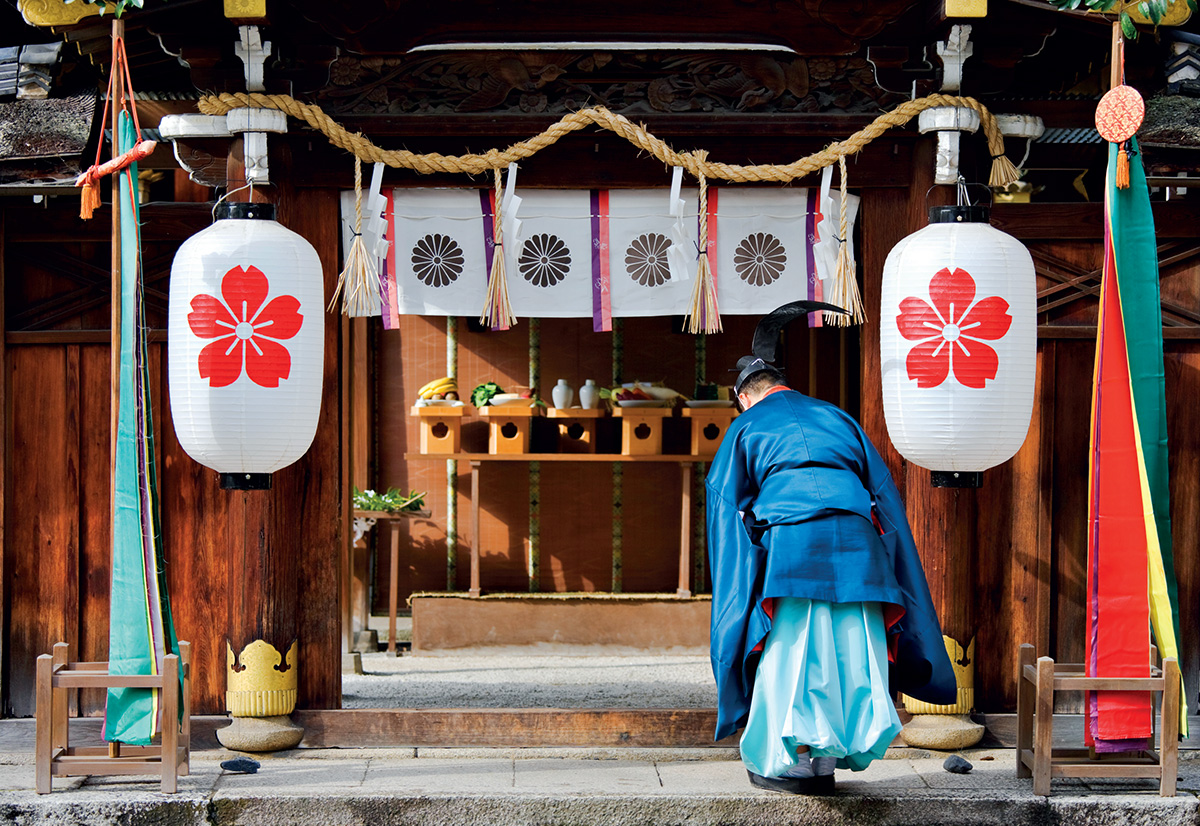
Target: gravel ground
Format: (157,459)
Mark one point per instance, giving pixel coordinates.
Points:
(517,678)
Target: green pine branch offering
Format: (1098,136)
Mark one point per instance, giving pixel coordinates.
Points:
(394,501)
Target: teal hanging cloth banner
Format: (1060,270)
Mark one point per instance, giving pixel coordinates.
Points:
(140,629)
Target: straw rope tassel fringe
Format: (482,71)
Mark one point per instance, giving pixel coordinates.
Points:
(497,311)
(703,314)
(845,279)
(358,283)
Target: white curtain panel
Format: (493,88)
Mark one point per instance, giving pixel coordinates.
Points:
(762,255)
(439,252)
(549,261)
(765,254)
(639,238)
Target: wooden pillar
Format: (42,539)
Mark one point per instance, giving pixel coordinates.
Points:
(262,669)
(942,519)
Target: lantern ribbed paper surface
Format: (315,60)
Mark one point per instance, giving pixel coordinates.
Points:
(246,339)
(958,345)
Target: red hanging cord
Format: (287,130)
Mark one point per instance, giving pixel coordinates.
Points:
(89,181)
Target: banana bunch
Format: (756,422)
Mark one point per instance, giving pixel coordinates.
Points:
(444,388)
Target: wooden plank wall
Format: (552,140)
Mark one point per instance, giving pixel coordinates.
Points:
(56,562)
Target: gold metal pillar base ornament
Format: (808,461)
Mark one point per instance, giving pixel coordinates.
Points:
(264,684)
(947,727)
(260,693)
(964,675)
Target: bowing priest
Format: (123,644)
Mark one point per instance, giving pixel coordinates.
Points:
(820,609)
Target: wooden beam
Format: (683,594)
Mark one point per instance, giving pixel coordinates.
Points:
(1085,222)
(510,727)
(60,337)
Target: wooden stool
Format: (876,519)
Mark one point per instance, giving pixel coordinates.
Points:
(1036,756)
(53,755)
(642,429)
(708,427)
(508,430)
(576,428)
(440,427)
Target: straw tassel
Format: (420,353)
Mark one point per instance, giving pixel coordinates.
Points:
(358,283)
(845,279)
(703,314)
(497,311)
(1122,167)
(1004,172)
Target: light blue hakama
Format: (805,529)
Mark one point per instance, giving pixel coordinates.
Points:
(822,683)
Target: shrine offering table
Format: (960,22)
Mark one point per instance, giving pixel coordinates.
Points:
(686,464)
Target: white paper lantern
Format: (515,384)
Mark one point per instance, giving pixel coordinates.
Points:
(958,345)
(245,340)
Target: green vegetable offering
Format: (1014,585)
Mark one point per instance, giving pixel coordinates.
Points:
(482,394)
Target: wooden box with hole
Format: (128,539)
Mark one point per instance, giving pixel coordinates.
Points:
(576,428)
(708,427)
(440,427)
(508,426)
(642,429)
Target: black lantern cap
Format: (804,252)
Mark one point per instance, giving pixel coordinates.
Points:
(261,212)
(245,481)
(962,214)
(765,344)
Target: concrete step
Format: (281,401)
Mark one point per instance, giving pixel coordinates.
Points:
(424,787)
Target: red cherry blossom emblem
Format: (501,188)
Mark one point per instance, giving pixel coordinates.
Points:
(952,331)
(246,332)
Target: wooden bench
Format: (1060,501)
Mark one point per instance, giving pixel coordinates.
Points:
(55,756)
(1037,680)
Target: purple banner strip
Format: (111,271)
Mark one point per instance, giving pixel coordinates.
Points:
(597,275)
(815,293)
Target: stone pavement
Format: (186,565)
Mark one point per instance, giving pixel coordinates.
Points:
(593,787)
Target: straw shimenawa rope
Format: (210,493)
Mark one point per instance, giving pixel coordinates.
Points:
(696,163)
(1003,171)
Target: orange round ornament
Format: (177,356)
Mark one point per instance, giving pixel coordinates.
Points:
(1120,114)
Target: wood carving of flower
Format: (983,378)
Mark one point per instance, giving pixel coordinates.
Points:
(646,259)
(246,332)
(545,260)
(437,260)
(759,259)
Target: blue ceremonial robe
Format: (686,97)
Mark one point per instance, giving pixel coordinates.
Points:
(793,498)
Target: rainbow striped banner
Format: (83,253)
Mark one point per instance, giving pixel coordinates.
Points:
(140,631)
(1129,527)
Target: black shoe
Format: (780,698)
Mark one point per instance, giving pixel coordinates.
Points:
(794,785)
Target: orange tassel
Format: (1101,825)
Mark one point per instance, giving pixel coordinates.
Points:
(89,197)
(1122,169)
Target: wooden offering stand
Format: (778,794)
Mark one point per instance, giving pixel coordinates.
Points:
(441,427)
(1036,756)
(55,756)
(576,428)
(360,598)
(642,429)
(708,427)
(508,428)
